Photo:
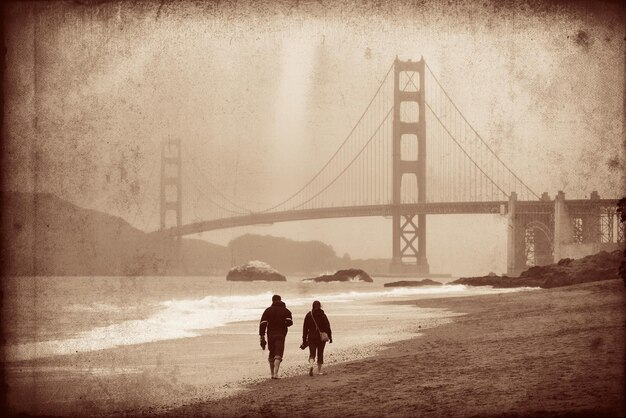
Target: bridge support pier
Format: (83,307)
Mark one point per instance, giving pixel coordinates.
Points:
(529,235)
(406,258)
(591,221)
(515,260)
(549,232)
(584,228)
(563,227)
(409,229)
(171,199)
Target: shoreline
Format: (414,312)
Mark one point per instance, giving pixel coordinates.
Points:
(89,325)
(401,357)
(163,374)
(551,352)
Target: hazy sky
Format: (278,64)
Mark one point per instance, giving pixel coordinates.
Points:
(261,94)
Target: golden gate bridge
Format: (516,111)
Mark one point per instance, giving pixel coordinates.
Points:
(412,153)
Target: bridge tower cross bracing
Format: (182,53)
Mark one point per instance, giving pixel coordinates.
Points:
(408,229)
(171,192)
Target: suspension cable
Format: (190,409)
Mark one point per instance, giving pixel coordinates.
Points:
(338,149)
(477,134)
(202,193)
(350,163)
(464,152)
(192,160)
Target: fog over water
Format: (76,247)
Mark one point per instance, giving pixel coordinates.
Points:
(262,94)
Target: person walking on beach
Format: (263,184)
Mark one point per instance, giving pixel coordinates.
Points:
(275,319)
(315,332)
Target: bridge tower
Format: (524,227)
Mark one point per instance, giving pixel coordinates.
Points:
(408,229)
(171,195)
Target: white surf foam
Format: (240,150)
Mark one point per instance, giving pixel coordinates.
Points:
(186,318)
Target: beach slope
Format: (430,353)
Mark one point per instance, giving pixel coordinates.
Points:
(548,352)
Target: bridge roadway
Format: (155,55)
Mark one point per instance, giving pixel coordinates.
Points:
(461,208)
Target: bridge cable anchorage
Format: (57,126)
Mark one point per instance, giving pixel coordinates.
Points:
(350,163)
(465,152)
(338,149)
(477,134)
(192,160)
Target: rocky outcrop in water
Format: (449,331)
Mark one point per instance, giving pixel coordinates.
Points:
(254,271)
(596,267)
(413,283)
(348,275)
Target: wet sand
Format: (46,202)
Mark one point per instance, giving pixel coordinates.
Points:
(162,375)
(556,352)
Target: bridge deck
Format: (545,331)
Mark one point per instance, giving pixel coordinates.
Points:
(461,208)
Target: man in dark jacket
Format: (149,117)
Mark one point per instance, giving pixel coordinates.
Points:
(275,319)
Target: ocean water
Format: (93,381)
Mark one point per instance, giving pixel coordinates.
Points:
(100,345)
(51,316)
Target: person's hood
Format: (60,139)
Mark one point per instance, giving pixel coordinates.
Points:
(279,303)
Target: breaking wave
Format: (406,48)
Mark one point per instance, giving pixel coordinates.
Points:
(187,318)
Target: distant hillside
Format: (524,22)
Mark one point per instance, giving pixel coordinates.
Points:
(285,255)
(44,235)
(289,256)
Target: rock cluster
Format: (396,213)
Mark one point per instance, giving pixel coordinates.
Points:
(347,275)
(413,283)
(596,267)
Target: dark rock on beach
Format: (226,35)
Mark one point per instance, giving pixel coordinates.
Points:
(348,275)
(254,271)
(496,281)
(596,267)
(413,283)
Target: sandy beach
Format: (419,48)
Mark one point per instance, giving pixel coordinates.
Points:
(120,345)
(540,352)
(556,352)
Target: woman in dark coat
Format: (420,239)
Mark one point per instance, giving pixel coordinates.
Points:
(315,322)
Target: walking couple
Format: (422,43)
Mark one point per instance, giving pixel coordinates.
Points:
(315,333)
